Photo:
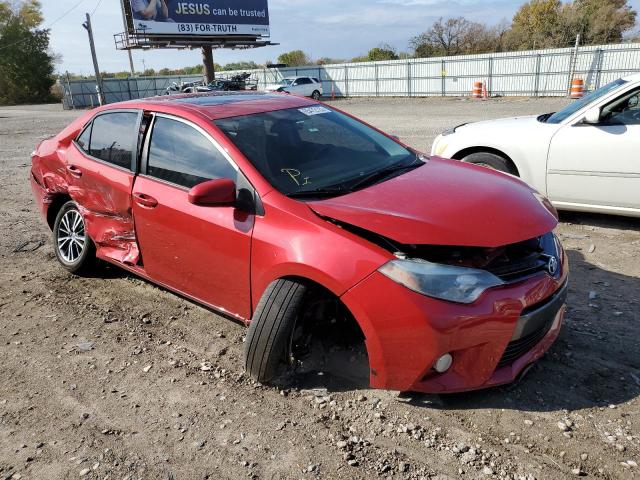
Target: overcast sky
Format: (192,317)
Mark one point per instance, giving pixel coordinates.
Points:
(322,28)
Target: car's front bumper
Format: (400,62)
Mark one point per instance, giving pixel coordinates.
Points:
(492,340)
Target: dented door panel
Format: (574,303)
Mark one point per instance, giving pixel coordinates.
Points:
(103,194)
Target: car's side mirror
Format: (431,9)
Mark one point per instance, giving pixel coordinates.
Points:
(219,192)
(592,116)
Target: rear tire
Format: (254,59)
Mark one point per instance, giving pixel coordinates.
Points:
(268,342)
(315,95)
(74,249)
(491,160)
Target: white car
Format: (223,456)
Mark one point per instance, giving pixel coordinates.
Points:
(303,86)
(586,157)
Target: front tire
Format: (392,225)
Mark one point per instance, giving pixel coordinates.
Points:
(491,160)
(73,247)
(268,343)
(315,95)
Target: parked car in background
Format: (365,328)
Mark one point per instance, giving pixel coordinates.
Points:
(585,157)
(303,86)
(301,220)
(233,83)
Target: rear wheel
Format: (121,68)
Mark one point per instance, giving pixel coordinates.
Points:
(491,160)
(74,249)
(315,95)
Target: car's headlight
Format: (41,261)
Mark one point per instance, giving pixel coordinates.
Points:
(446,282)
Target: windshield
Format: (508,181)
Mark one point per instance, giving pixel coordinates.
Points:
(286,81)
(313,148)
(573,107)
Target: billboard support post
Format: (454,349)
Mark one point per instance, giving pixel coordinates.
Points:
(209,67)
(87,26)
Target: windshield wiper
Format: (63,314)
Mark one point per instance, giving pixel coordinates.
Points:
(318,192)
(382,174)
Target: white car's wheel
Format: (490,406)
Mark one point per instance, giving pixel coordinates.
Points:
(491,160)
(315,95)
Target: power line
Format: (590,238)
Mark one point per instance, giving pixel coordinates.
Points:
(52,23)
(97,6)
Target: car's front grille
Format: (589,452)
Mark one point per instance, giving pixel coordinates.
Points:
(517,348)
(511,263)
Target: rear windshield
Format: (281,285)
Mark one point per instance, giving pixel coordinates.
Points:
(311,148)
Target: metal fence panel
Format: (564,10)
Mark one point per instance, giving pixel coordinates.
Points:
(528,73)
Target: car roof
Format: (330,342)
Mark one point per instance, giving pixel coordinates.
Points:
(216,105)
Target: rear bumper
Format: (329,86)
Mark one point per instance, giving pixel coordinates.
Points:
(492,341)
(42,198)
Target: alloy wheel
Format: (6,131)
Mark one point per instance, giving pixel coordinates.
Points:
(71,238)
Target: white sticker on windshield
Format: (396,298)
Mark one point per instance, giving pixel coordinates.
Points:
(309,111)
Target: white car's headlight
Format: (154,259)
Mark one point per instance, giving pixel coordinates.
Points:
(446,282)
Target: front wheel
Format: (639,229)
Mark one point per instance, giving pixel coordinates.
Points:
(315,95)
(74,249)
(267,351)
(491,160)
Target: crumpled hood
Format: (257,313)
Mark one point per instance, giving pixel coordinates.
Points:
(445,202)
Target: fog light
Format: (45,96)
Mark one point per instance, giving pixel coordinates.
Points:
(443,363)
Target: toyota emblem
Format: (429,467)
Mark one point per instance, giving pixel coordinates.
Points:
(552,266)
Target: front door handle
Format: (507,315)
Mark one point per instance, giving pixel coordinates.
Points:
(145,201)
(74,171)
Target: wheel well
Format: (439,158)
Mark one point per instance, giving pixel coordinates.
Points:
(54,208)
(468,151)
(338,332)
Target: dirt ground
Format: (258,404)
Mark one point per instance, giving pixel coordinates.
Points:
(102,378)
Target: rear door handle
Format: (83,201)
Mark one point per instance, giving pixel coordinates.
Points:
(74,171)
(145,200)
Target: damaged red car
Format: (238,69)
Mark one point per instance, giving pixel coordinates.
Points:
(297,219)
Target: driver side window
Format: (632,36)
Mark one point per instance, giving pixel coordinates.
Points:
(625,110)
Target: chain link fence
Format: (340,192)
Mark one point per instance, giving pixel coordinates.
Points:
(531,73)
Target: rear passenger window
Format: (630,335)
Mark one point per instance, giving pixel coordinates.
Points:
(83,139)
(180,154)
(114,137)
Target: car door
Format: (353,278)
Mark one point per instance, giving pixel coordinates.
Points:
(200,251)
(599,164)
(100,167)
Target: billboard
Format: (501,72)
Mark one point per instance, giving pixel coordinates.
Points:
(210,18)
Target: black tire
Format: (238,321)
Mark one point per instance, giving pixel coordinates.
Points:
(83,260)
(269,337)
(491,160)
(315,95)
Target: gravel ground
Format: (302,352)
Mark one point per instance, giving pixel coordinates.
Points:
(102,377)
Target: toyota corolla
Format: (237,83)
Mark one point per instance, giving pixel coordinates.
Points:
(292,217)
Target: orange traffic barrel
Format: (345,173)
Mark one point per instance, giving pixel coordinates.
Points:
(477,90)
(577,88)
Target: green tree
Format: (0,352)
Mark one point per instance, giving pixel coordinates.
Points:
(294,58)
(26,67)
(382,52)
(456,36)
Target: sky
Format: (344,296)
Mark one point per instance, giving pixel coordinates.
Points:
(322,28)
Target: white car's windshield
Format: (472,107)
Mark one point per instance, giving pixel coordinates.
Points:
(286,81)
(573,107)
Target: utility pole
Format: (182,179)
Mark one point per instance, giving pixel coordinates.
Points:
(126,30)
(87,26)
(207,60)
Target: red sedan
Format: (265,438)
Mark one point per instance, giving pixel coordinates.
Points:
(294,217)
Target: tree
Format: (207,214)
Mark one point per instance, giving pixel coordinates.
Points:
(382,52)
(294,58)
(456,36)
(550,23)
(26,67)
